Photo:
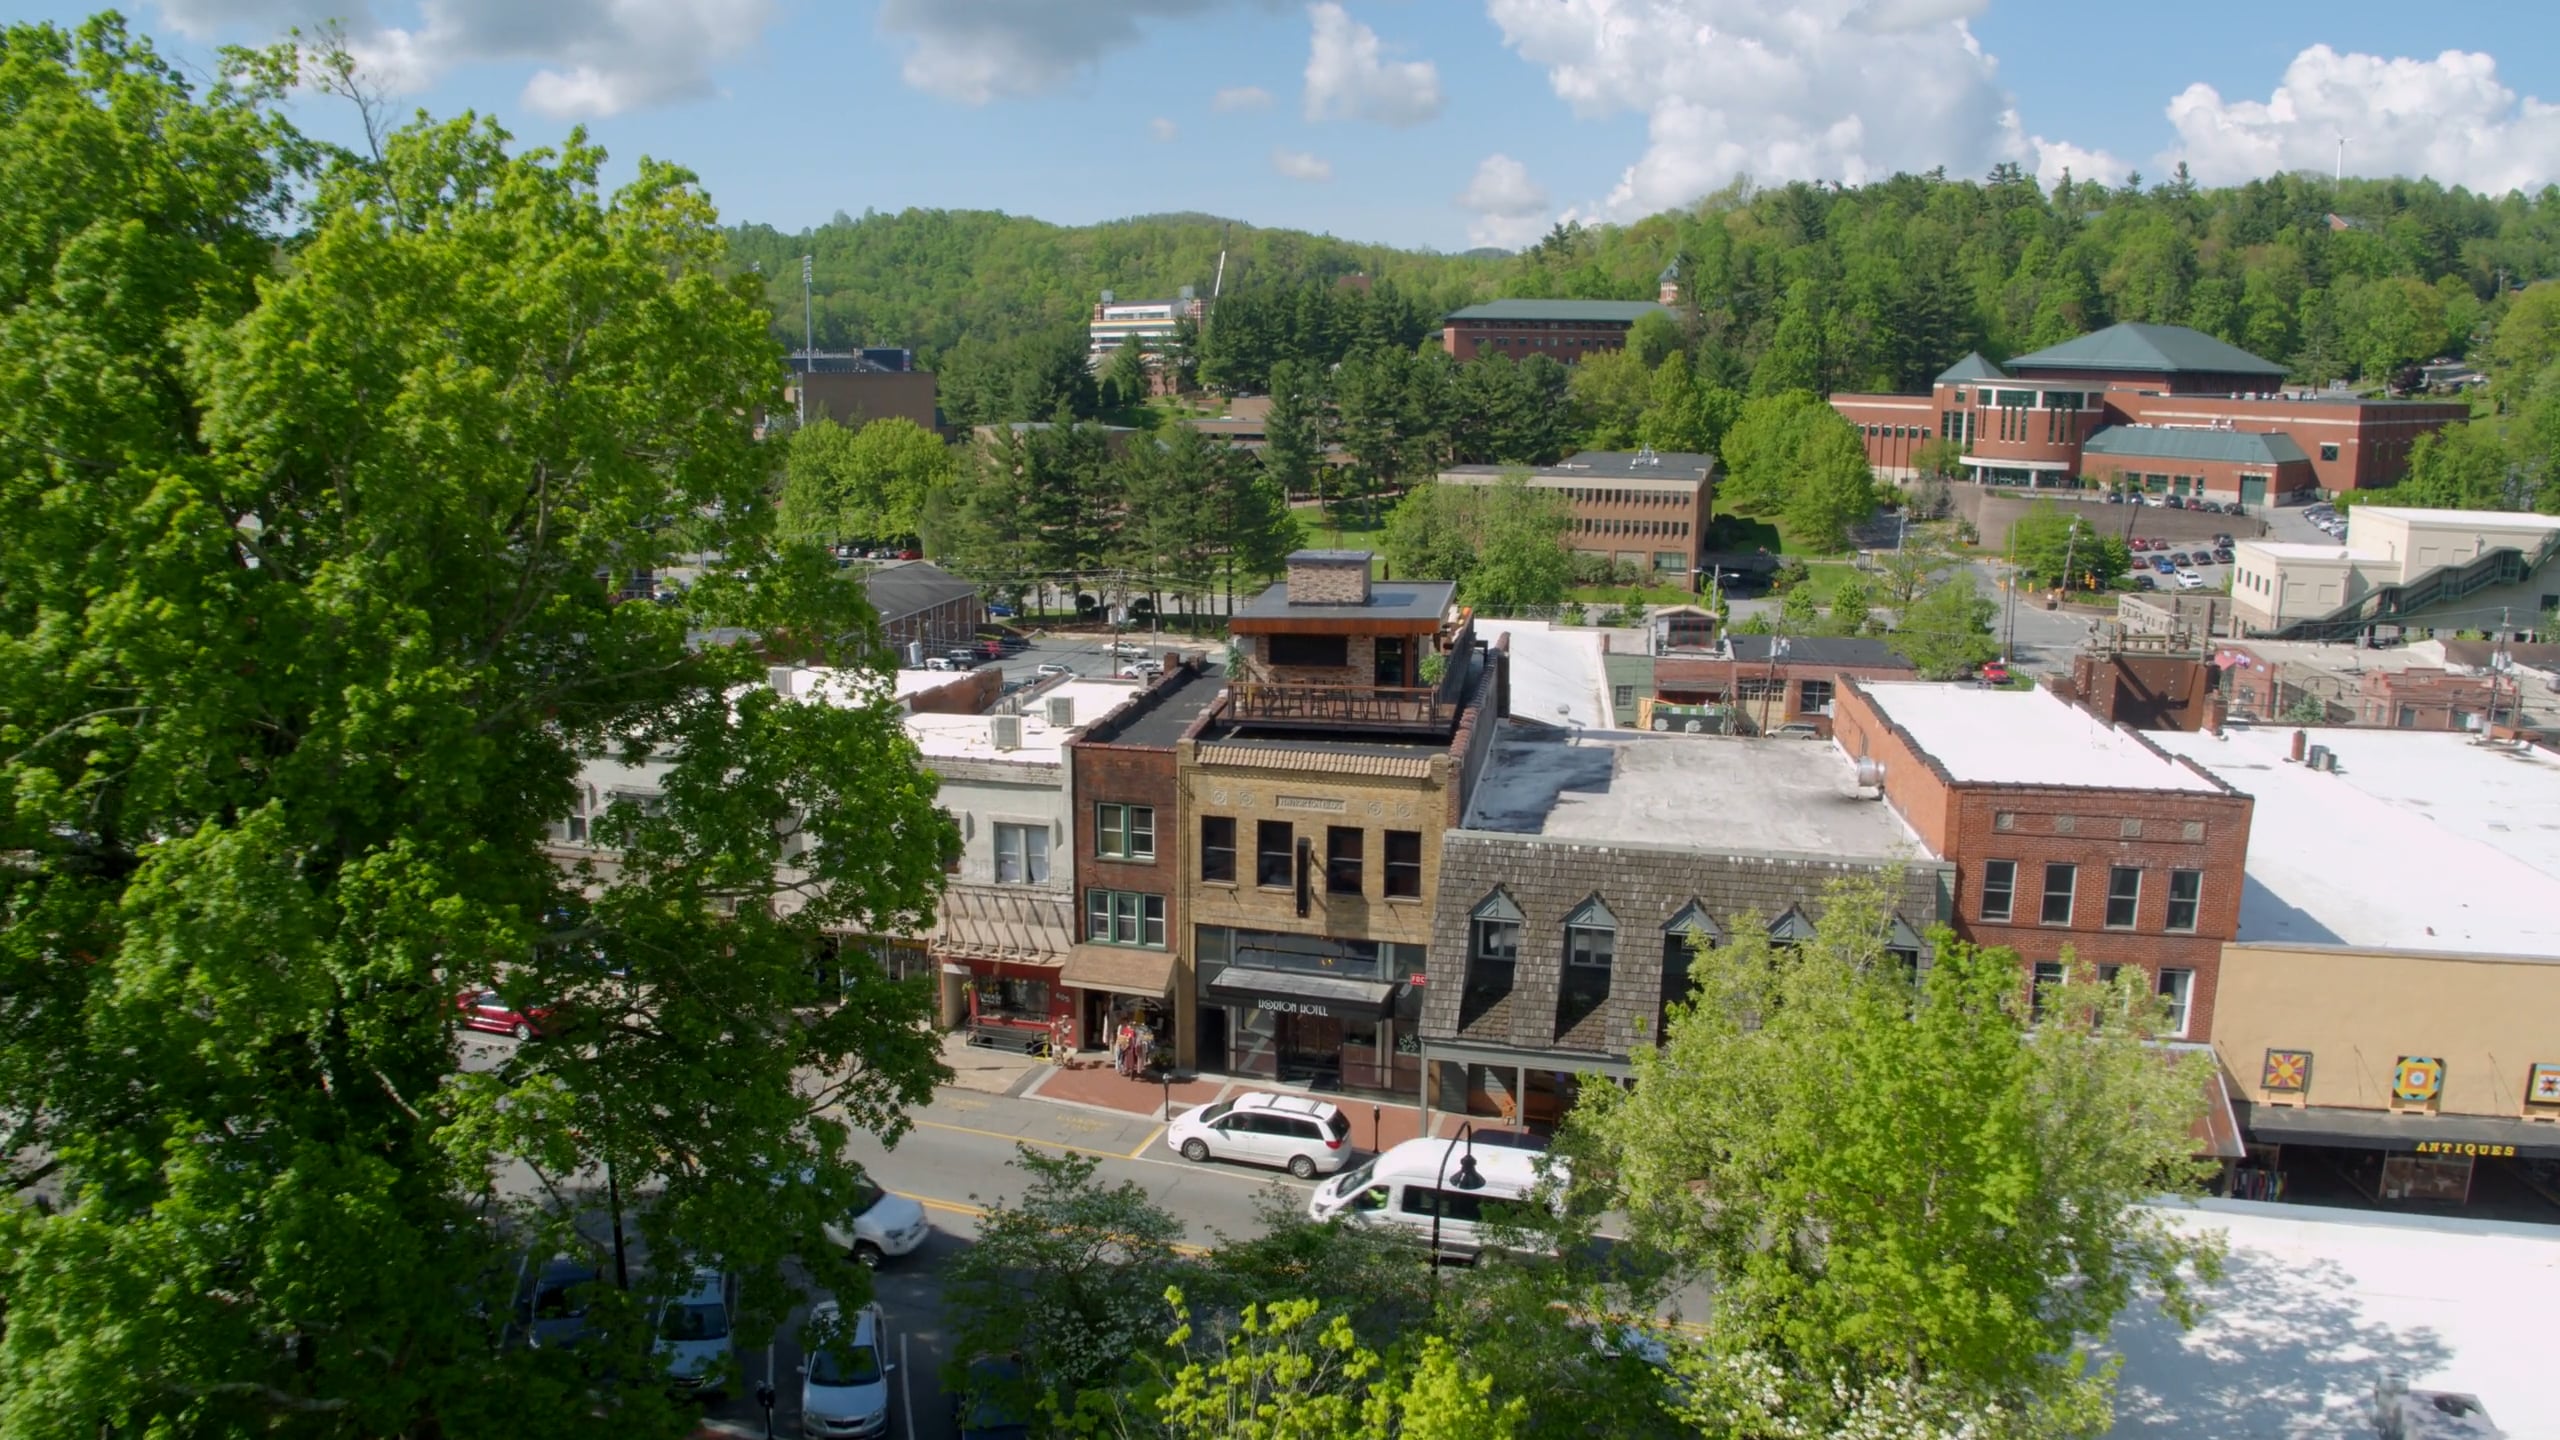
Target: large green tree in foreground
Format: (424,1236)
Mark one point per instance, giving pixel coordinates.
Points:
(1911,1196)
(322,474)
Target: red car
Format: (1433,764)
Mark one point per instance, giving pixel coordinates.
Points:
(1995,672)
(487,1010)
(2137,544)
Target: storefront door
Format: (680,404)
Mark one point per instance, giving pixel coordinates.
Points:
(1310,1051)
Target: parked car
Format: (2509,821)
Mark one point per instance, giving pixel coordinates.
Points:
(1309,1137)
(2159,544)
(2224,556)
(1795,730)
(2115,497)
(1128,647)
(2176,502)
(1993,672)
(2163,564)
(881,1226)
(941,662)
(2221,542)
(488,1010)
(2137,544)
(1052,667)
(993,1401)
(552,1303)
(2178,558)
(2190,580)
(2142,581)
(965,657)
(844,1377)
(1000,610)
(693,1335)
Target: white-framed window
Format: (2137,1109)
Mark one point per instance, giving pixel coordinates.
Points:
(2186,896)
(1591,936)
(2124,896)
(1022,854)
(2060,881)
(1121,917)
(1124,832)
(1999,889)
(2180,988)
(2048,977)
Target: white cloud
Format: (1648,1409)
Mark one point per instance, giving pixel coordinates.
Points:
(1299,165)
(2056,156)
(1241,97)
(1162,131)
(1349,78)
(1510,208)
(2449,118)
(975,51)
(598,57)
(1799,91)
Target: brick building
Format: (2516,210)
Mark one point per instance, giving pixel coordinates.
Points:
(1587,864)
(1150,323)
(853,387)
(2065,832)
(2242,465)
(924,609)
(2033,421)
(1312,803)
(1769,681)
(1645,508)
(1127,857)
(1563,330)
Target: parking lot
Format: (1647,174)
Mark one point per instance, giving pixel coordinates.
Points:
(1090,655)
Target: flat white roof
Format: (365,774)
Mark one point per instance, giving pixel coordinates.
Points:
(972,737)
(2297,550)
(2422,840)
(1557,676)
(2315,1303)
(2467,519)
(2025,737)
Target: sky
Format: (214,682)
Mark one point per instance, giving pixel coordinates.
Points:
(1440,124)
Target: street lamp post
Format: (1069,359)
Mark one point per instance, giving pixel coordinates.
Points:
(1467,1178)
(808,333)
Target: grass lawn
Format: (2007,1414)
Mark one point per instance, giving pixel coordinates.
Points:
(1822,577)
(1750,532)
(1317,533)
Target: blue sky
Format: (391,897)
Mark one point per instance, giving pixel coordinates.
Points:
(1439,123)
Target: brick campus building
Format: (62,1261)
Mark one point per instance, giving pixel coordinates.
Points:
(2163,408)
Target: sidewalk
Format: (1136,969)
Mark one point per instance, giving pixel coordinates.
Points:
(1376,1125)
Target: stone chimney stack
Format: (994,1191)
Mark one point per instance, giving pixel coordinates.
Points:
(1329,577)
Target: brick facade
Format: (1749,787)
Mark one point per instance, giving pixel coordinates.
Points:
(1324,578)
(2094,828)
(2427,698)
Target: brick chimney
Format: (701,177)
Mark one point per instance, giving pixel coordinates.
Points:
(1329,577)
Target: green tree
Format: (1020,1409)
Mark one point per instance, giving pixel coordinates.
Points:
(1126,381)
(1074,498)
(1072,1275)
(1521,560)
(1830,488)
(1948,1237)
(981,525)
(1798,357)
(2053,545)
(1284,1376)
(1294,429)
(1431,533)
(1610,391)
(1946,631)
(309,594)
(867,483)
(1654,338)
(1909,568)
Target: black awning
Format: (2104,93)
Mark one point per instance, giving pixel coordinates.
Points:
(2455,1135)
(1297,992)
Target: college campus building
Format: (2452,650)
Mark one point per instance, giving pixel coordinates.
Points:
(924,609)
(1151,323)
(2065,832)
(854,386)
(1587,865)
(2389,1031)
(1563,330)
(2402,567)
(2054,417)
(1645,508)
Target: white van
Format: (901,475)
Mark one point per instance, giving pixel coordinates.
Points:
(1403,1186)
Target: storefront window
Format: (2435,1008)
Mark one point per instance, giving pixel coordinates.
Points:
(1012,998)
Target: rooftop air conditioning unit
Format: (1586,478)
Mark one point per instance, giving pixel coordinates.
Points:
(2318,759)
(1871,775)
(1005,731)
(1062,711)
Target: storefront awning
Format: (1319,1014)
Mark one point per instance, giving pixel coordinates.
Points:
(1297,992)
(2413,1134)
(1119,970)
(2217,1130)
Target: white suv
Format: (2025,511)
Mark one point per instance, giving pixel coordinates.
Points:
(1309,1137)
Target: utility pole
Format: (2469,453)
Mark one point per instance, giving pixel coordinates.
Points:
(808,333)
(2338,178)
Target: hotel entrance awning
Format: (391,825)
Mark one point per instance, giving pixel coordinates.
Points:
(1296,992)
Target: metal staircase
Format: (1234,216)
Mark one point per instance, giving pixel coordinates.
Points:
(2388,604)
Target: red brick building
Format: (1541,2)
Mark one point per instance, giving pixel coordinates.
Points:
(2033,421)
(1127,848)
(2066,832)
(1565,330)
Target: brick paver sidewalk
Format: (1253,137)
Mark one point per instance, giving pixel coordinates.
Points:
(1376,1125)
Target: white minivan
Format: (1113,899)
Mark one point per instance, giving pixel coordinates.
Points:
(1404,1186)
(1307,1137)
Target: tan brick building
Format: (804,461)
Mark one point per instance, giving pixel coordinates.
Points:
(1564,330)
(1645,508)
(2065,832)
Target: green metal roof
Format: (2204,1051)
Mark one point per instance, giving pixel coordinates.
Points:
(1971,367)
(2156,442)
(1622,312)
(2167,349)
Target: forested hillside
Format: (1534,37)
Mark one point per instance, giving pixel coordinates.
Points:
(1800,286)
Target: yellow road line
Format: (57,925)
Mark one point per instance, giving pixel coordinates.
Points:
(1022,1139)
(1152,1137)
